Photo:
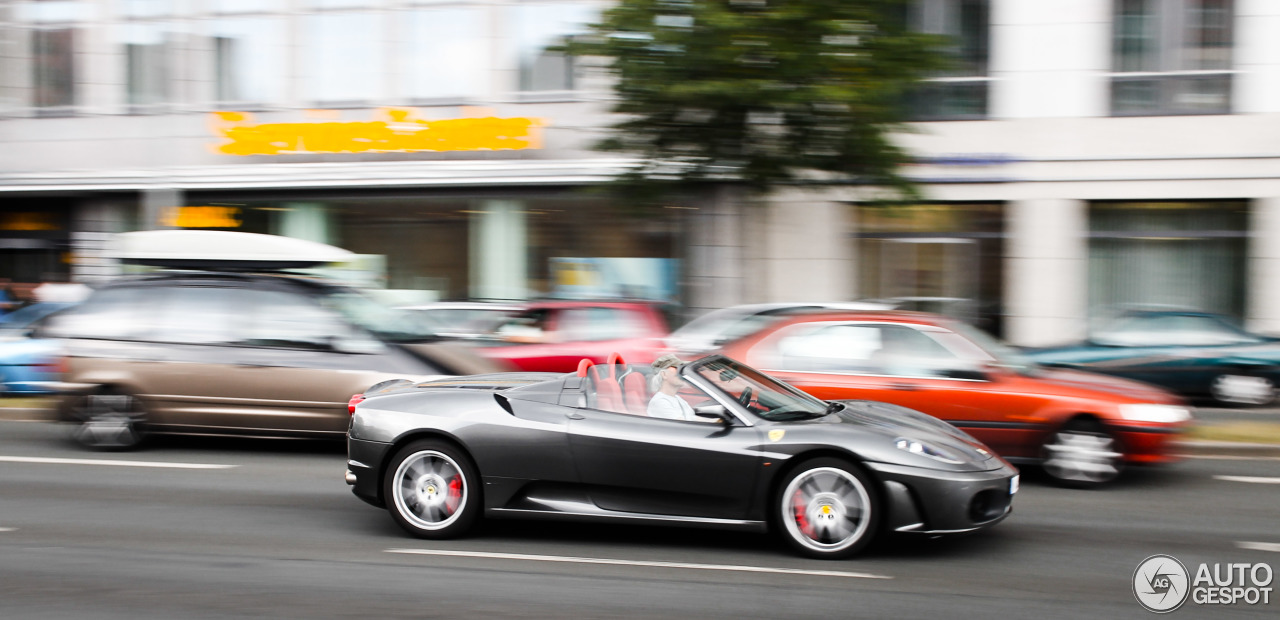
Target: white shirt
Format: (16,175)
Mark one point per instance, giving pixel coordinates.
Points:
(670,407)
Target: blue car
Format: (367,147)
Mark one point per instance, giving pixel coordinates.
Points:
(1200,355)
(28,365)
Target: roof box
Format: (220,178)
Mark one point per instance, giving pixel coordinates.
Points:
(221,250)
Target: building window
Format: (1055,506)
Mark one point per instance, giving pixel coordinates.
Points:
(961,92)
(149,56)
(945,257)
(343,62)
(445,53)
(542,26)
(1181,253)
(1171,57)
(53,64)
(249,60)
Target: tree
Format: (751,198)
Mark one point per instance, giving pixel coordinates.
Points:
(760,92)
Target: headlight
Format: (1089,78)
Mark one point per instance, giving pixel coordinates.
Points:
(1151,412)
(915,446)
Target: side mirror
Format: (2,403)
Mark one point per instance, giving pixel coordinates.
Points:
(713,412)
(354,345)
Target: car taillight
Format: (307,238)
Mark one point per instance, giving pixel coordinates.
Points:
(356,399)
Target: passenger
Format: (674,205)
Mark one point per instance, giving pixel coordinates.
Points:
(666,383)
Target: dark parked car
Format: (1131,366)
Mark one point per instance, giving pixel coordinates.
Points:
(828,476)
(1197,354)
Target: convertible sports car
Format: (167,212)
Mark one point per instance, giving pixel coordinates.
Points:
(828,476)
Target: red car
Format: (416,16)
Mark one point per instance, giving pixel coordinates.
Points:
(553,336)
(1082,427)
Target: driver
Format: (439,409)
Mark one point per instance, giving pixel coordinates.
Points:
(666,383)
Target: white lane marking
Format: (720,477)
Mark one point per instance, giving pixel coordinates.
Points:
(8,529)
(56,461)
(1253,479)
(1259,546)
(572,560)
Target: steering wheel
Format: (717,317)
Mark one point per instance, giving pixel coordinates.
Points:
(745,398)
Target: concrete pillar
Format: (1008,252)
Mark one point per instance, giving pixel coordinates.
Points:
(716,264)
(156,202)
(306,220)
(1262,304)
(499,251)
(92,224)
(1046,271)
(807,253)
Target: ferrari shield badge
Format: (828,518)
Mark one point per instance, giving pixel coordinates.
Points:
(776,435)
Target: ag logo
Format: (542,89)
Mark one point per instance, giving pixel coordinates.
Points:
(776,435)
(1161,583)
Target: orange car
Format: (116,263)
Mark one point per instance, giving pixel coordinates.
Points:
(1082,427)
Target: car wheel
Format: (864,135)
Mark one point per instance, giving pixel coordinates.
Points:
(1239,389)
(1082,454)
(433,490)
(108,420)
(827,508)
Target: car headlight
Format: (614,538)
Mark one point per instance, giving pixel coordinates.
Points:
(915,446)
(1151,412)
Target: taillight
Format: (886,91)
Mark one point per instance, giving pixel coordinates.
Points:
(356,399)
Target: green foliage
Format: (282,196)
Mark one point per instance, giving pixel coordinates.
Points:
(760,92)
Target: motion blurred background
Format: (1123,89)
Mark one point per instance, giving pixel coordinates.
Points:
(1077,154)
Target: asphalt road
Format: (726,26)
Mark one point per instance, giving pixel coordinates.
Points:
(271,531)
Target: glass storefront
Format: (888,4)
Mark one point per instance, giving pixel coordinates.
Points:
(1190,254)
(937,257)
(460,245)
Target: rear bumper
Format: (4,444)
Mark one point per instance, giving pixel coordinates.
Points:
(940,502)
(364,462)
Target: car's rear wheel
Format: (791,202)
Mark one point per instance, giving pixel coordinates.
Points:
(1083,454)
(433,489)
(827,508)
(1241,389)
(107,420)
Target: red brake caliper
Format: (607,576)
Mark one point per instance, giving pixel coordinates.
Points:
(455,494)
(802,520)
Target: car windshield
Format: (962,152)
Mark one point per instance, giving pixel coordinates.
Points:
(1001,353)
(391,324)
(759,393)
(1169,329)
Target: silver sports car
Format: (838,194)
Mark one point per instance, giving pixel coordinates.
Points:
(750,453)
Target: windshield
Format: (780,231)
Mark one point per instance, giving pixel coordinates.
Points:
(1170,329)
(391,324)
(759,393)
(1001,353)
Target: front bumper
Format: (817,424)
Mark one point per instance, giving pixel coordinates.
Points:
(1148,445)
(364,461)
(936,502)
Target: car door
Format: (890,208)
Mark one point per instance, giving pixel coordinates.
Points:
(922,367)
(637,464)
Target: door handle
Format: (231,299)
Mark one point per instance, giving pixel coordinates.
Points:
(575,416)
(905,387)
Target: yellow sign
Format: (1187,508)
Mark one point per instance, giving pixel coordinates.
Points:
(398,133)
(202,217)
(27,220)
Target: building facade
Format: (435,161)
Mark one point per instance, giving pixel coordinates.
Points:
(1080,154)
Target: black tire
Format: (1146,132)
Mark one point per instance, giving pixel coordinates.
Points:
(107,420)
(433,490)
(1240,389)
(827,508)
(1082,454)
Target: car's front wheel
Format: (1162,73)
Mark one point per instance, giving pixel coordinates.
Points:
(1083,454)
(433,489)
(1241,389)
(827,508)
(107,420)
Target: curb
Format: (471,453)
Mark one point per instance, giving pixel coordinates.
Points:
(1227,448)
